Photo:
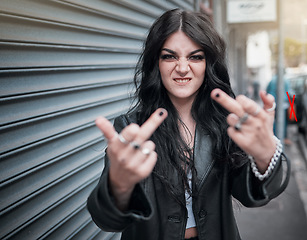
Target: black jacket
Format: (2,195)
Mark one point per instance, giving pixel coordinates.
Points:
(154,215)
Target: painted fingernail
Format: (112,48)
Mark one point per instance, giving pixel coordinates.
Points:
(217,95)
(135,145)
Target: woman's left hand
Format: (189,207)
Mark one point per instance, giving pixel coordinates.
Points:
(250,126)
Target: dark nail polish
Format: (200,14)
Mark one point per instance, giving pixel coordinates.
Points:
(136,147)
(217,95)
(161,113)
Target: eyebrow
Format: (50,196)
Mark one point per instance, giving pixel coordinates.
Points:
(191,53)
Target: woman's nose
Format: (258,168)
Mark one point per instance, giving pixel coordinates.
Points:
(183,66)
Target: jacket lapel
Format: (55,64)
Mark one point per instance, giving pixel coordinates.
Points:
(202,157)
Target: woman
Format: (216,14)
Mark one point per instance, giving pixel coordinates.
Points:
(205,146)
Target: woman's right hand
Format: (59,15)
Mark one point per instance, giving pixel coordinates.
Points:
(131,155)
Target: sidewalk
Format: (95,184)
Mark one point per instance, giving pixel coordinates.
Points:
(284,218)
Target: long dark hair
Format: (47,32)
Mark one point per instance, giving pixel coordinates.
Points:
(151,94)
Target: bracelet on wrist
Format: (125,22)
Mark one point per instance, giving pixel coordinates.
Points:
(272,163)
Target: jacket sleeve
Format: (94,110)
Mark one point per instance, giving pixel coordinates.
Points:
(252,192)
(101,206)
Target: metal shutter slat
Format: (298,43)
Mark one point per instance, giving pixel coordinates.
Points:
(18,83)
(62,64)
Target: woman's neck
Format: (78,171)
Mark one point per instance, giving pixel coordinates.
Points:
(184,110)
(187,125)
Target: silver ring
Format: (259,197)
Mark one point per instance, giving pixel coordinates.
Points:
(135,145)
(257,111)
(238,126)
(242,120)
(272,108)
(146,151)
(122,139)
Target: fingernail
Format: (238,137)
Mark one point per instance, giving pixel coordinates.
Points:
(162,112)
(217,95)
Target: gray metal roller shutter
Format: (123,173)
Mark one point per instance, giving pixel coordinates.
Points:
(62,63)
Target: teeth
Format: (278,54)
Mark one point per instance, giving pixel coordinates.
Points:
(182,80)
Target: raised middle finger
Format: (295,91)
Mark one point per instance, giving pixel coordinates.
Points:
(150,125)
(238,106)
(227,102)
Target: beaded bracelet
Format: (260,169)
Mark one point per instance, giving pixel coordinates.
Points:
(272,164)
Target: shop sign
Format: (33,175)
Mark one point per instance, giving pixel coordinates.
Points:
(239,11)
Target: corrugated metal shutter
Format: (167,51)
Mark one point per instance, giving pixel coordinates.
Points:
(62,63)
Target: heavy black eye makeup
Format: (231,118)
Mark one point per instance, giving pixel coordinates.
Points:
(196,55)
(167,56)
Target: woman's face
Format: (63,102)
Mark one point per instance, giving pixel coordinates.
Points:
(182,67)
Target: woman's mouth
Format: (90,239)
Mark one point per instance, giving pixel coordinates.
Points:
(182,80)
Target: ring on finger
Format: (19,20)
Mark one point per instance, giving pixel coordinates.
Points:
(272,108)
(241,120)
(257,111)
(122,139)
(145,151)
(238,126)
(135,145)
